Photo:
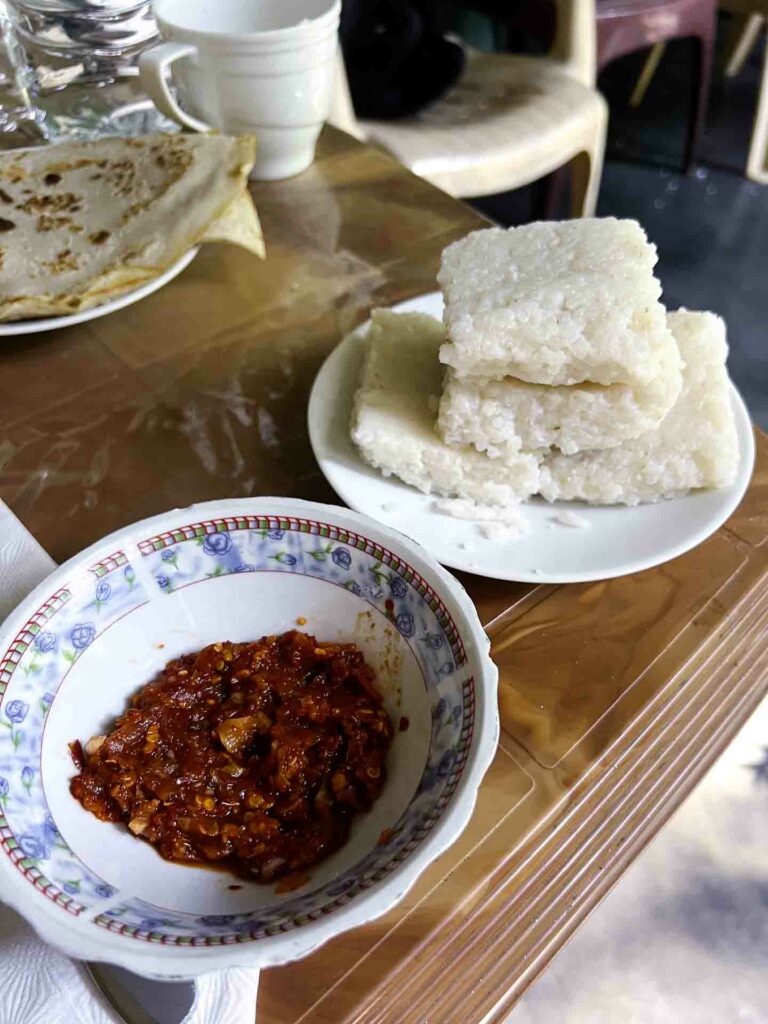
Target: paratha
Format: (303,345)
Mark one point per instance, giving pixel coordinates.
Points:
(84,222)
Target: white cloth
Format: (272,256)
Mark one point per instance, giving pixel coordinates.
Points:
(39,985)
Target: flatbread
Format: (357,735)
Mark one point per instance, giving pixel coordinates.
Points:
(238,225)
(84,222)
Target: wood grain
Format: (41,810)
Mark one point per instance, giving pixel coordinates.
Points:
(614,696)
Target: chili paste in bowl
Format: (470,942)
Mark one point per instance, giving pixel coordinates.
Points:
(287,692)
(253,756)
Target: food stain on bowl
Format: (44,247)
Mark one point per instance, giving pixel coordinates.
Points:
(382,644)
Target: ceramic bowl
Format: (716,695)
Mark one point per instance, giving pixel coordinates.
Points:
(106,621)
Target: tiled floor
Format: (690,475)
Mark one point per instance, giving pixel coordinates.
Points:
(683,938)
(711,230)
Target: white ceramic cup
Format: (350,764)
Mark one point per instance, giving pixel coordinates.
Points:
(261,67)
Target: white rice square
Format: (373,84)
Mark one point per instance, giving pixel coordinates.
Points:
(501,417)
(695,446)
(393,421)
(555,303)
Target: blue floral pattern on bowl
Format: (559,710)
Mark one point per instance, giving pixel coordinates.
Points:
(31,671)
(35,664)
(201,551)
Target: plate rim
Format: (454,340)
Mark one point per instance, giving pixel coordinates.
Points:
(463,563)
(19,328)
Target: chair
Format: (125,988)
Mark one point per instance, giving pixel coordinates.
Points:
(624,26)
(753,14)
(508,121)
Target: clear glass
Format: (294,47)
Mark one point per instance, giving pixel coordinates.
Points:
(68,68)
(19,118)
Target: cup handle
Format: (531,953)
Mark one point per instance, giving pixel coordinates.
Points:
(153,65)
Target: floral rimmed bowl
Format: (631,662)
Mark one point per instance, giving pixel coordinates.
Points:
(110,618)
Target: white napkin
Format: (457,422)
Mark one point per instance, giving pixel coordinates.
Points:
(39,985)
(23,563)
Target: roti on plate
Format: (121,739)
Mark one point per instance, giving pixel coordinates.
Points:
(84,222)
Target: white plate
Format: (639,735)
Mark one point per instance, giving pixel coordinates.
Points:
(616,541)
(54,323)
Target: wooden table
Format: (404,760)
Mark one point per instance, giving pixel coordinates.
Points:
(615,696)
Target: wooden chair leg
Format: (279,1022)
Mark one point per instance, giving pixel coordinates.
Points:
(646,75)
(757,161)
(746,30)
(702,75)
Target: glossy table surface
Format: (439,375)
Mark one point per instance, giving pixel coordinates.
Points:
(615,696)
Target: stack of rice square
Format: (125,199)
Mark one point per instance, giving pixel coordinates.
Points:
(557,371)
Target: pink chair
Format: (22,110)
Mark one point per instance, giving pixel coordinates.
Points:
(624,26)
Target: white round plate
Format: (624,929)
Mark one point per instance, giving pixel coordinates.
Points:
(614,541)
(55,323)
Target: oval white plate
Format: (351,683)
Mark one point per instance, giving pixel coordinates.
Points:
(614,542)
(54,323)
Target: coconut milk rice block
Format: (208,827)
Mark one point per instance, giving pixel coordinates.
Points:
(393,421)
(555,303)
(500,417)
(695,445)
